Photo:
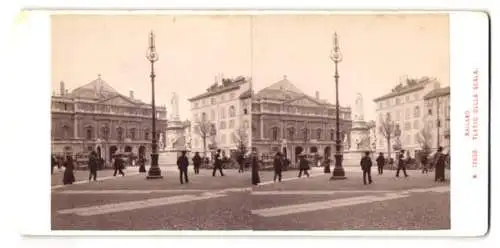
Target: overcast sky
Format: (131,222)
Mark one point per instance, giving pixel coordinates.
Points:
(377,51)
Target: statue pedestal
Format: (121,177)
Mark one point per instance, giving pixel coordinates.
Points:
(352,158)
(168,160)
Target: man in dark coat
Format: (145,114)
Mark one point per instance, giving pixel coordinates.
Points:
(380,163)
(303,166)
(218,163)
(241,163)
(119,165)
(439,165)
(93,164)
(366,166)
(425,164)
(182,164)
(196,163)
(401,164)
(142,164)
(255,168)
(52,164)
(69,176)
(278,166)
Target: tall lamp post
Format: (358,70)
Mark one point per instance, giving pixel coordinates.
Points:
(336,57)
(154,170)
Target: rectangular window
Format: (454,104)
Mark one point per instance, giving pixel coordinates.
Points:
(407,114)
(407,98)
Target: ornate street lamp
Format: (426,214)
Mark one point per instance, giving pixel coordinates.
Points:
(336,57)
(151,54)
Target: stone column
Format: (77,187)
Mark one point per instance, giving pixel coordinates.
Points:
(75,127)
(261,126)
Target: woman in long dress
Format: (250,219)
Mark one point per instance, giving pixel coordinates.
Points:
(255,169)
(69,176)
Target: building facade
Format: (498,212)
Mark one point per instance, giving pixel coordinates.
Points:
(437,110)
(286,119)
(225,107)
(406,107)
(97,117)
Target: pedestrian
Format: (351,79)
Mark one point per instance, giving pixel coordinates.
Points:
(366,166)
(401,164)
(425,166)
(380,163)
(255,168)
(241,162)
(196,163)
(93,164)
(218,163)
(303,166)
(69,176)
(439,165)
(327,162)
(118,165)
(182,164)
(142,164)
(278,166)
(52,164)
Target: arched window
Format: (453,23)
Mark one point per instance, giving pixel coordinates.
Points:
(332,134)
(132,133)
(119,133)
(305,133)
(88,133)
(274,133)
(146,134)
(65,133)
(318,134)
(232,111)
(203,116)
(105,132)
(291,133)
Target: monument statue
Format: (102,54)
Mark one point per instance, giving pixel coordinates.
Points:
(160,142)
(358,114)
(174,103)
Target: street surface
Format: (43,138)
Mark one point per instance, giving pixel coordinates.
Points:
(316,203)
(230,203)
(134,203)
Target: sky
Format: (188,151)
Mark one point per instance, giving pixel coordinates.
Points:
(377,51)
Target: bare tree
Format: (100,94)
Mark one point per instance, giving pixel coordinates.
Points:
(389,129)
(240,137)
(206,130)
(424,138)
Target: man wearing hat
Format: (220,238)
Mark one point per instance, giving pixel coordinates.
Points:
(303,165)
(182,164)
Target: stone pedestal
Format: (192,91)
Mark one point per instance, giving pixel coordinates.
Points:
(360,143)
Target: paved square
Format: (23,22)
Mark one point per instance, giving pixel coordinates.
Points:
(231,203)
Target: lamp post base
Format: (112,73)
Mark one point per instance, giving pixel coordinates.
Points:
(154,171)
(338,171)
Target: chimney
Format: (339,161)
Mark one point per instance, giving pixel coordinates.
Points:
(61,88)
(131,94)
(317,95)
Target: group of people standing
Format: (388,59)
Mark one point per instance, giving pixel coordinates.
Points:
(438,162)
(218,164)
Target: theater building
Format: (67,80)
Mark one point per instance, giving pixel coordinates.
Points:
(97,117)
(286,119)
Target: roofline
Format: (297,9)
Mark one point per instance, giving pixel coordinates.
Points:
(440,92)
(394,94)
(209,94)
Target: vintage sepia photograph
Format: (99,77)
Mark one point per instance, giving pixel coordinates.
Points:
(151,122)
(351,122)
(250,122)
